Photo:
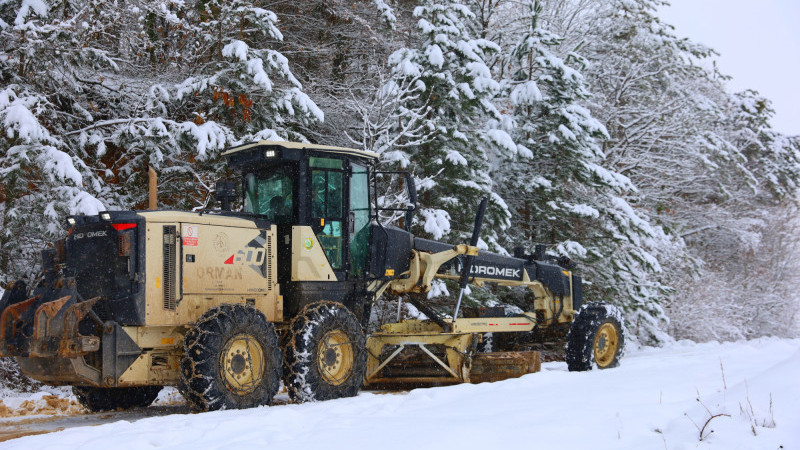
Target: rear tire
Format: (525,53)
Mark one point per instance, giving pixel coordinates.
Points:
(326,355)
(596,338)
(108,399)
(231,360)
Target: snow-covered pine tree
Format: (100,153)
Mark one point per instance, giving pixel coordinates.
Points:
(46,53)
(447,61)
(773,158)
(658,106)
(216,80)
(557,185)
(95,91)
(672,133)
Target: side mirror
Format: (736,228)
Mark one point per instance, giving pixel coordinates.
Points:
(412,189)
(225,193)
(412,198)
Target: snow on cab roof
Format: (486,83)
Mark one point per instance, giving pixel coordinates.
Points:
(303,146)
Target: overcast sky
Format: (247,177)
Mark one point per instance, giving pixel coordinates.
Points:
(759,46)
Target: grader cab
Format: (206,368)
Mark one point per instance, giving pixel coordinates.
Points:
(227,304)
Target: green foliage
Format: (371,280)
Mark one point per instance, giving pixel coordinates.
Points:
(449,63)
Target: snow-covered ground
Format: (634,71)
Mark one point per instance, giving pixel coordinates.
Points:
(743,395)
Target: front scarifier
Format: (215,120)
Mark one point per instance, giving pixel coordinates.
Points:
(231,359)
(325,356)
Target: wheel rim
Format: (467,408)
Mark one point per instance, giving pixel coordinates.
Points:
(606,343)
(335,357)
(242,363)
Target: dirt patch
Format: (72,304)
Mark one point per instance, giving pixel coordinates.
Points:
(47,405)
(16,427)
(13,434)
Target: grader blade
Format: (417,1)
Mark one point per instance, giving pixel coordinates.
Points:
(418,353)
(497,366)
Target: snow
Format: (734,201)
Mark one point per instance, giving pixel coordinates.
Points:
(503,141)
(572,249)
(386,12)
(81,202)
(307,105)
(280,63)
(526,93)
(396,156)
(20,119)
(567,133)
(525,152)
(209,136)
(435,221)
(657,399)
(455,157)
(434,54)
(631,217)
(613,179)
(582,210)
(59,164)
(402,62)
(27,7)
(438,289)
(540,181)
(255,67)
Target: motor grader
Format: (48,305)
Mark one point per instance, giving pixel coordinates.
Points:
(225,304)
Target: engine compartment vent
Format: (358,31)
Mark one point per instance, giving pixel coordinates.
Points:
(270,268)
(170,260)
(159,360)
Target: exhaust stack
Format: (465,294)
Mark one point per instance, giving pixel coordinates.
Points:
(152,188)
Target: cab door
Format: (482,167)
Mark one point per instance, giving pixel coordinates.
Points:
(328,210)
(340,214)
(358,221)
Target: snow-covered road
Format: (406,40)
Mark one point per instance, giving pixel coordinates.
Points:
(649,402)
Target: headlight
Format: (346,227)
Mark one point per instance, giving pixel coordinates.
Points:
(71,221)
(105,215)
(269,153)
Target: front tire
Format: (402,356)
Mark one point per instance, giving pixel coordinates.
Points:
(231,360)
(326,355)
(596,338)
(97,399)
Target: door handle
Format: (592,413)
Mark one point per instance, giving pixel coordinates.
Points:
(351,222)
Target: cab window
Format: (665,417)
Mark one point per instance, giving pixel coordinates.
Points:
(270,194)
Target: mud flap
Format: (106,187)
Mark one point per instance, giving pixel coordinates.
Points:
(119,353)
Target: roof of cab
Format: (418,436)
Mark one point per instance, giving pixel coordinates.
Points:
(303,146)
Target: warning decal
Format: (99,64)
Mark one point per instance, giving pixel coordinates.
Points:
(190,235)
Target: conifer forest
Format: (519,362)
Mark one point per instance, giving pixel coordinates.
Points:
(591,125)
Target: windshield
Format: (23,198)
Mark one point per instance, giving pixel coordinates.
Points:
(270,194)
